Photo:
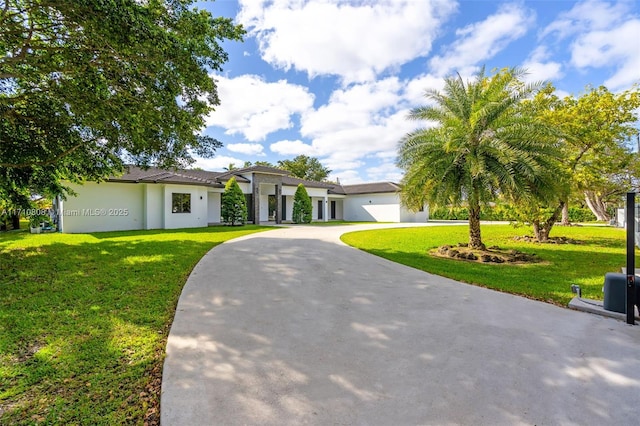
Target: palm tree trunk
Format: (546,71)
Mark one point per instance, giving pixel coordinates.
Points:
(475,239)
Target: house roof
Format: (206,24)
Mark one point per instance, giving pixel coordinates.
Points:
(135,174)
(253,169)
(371,188)
(294,181)
(336,189)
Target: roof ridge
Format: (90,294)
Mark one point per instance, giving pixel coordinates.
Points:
(199,179)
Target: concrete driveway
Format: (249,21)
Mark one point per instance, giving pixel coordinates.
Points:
(293,327)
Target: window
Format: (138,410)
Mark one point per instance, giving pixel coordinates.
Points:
(180,203)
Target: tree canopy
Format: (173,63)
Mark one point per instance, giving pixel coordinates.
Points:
(88,85)
(304,167)
(482,144)
(597,129)
(595,133)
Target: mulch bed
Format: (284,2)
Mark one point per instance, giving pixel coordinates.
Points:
(492,254)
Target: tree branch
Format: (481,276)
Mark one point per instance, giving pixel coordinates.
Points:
(42,163)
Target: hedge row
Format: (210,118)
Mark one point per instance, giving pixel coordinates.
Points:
(503,213)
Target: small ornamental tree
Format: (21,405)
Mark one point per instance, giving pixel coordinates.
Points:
(302,207)
(234,206)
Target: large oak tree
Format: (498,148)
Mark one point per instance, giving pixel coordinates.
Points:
(86,85)
(304,167)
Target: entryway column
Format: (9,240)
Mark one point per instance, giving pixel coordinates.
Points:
(256,201)
(326,209)
(278,203)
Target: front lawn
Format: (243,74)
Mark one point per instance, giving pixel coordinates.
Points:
(84,321)
(602,250)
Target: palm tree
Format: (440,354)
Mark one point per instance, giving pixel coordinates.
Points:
(230,167)
(482,144)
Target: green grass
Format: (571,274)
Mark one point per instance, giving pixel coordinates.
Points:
(84,321)
(585,264)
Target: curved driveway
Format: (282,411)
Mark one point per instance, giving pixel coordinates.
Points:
(293,327)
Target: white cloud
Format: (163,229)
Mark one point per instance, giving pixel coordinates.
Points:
(603,48)
(605,35)
(353,107)
(385,172)
(255,108)
(347,177)
(482,40)
(415,89)
(589,15)
(361,123)
(292,148)
(355,40)
(346,148)
(217,163)
(539,68)
(246,148)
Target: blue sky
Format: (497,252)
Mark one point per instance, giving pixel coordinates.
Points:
(335,79)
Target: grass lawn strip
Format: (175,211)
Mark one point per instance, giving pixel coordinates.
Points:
(602,250)
(84,320)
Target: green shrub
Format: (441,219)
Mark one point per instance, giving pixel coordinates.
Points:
(581,214)
(234,206)
(500,212)
(302,207)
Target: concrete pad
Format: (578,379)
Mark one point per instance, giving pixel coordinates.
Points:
(597,307)
(293,327)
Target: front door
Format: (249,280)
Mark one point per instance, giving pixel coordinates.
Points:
(320,209)
(284,207)
(272,207)
(333,210)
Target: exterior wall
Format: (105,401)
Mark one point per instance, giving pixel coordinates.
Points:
(372,207)
(154,199)
(407,215)
(264,206)
(111,206)
(263,184)
(197,217)
(289,190)
(339,209)
(214,204)
(245,187)
(316,194)
(288,206)
(104,206)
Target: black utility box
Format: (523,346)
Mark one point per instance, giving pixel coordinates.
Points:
(615,292)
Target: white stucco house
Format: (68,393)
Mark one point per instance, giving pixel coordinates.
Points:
(166,199)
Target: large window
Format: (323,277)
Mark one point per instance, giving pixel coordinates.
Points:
(180,203)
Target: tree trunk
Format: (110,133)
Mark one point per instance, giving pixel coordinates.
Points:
(543,229)
(15,221)
(596,205)
(565,215)
(475,239)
